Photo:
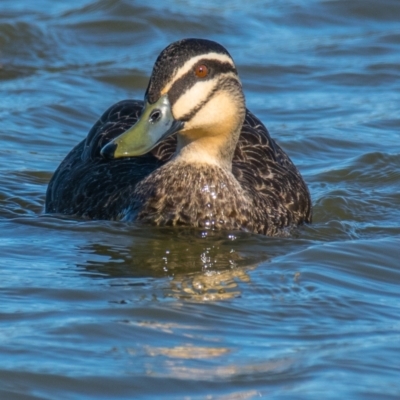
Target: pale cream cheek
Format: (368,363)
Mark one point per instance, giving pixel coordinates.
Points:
(210,131)
(197,94)
(217,117)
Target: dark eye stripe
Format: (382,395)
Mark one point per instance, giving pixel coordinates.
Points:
(186,81)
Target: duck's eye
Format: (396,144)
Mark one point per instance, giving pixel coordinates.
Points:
(201,71)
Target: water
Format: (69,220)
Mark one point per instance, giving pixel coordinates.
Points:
(99,309)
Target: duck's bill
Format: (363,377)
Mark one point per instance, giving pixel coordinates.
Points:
(155,124)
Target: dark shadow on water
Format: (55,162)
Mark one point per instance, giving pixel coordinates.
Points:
(195,264)
(168,252)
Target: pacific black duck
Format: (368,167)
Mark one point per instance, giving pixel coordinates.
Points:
(191,154)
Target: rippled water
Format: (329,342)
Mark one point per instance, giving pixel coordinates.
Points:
(107,310)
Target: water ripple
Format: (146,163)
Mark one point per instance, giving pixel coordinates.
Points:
(95,309)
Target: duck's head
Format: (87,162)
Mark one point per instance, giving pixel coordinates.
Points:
(194,90)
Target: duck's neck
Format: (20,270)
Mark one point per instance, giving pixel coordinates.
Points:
(212,150)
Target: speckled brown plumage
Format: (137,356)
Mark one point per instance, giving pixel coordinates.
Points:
(265,192)
(197,157)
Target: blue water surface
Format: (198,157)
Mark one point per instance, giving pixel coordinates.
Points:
(100,309)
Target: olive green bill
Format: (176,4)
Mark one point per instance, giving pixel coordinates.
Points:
(155,124)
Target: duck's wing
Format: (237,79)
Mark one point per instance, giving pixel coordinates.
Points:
(267,172)
(88,185)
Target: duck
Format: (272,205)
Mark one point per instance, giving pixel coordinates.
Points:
(191,154)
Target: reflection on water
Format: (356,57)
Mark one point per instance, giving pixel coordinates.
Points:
(211,285)
(187,352)
(202,265)
(177,370)
(168,252)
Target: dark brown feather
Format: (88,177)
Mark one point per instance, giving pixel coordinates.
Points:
(87,185)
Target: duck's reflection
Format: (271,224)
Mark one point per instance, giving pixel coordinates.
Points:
(210,285)
(200,265)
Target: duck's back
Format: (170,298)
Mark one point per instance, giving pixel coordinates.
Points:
(87,185)
(266,171)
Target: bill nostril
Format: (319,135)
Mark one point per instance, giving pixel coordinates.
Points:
(155,116)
